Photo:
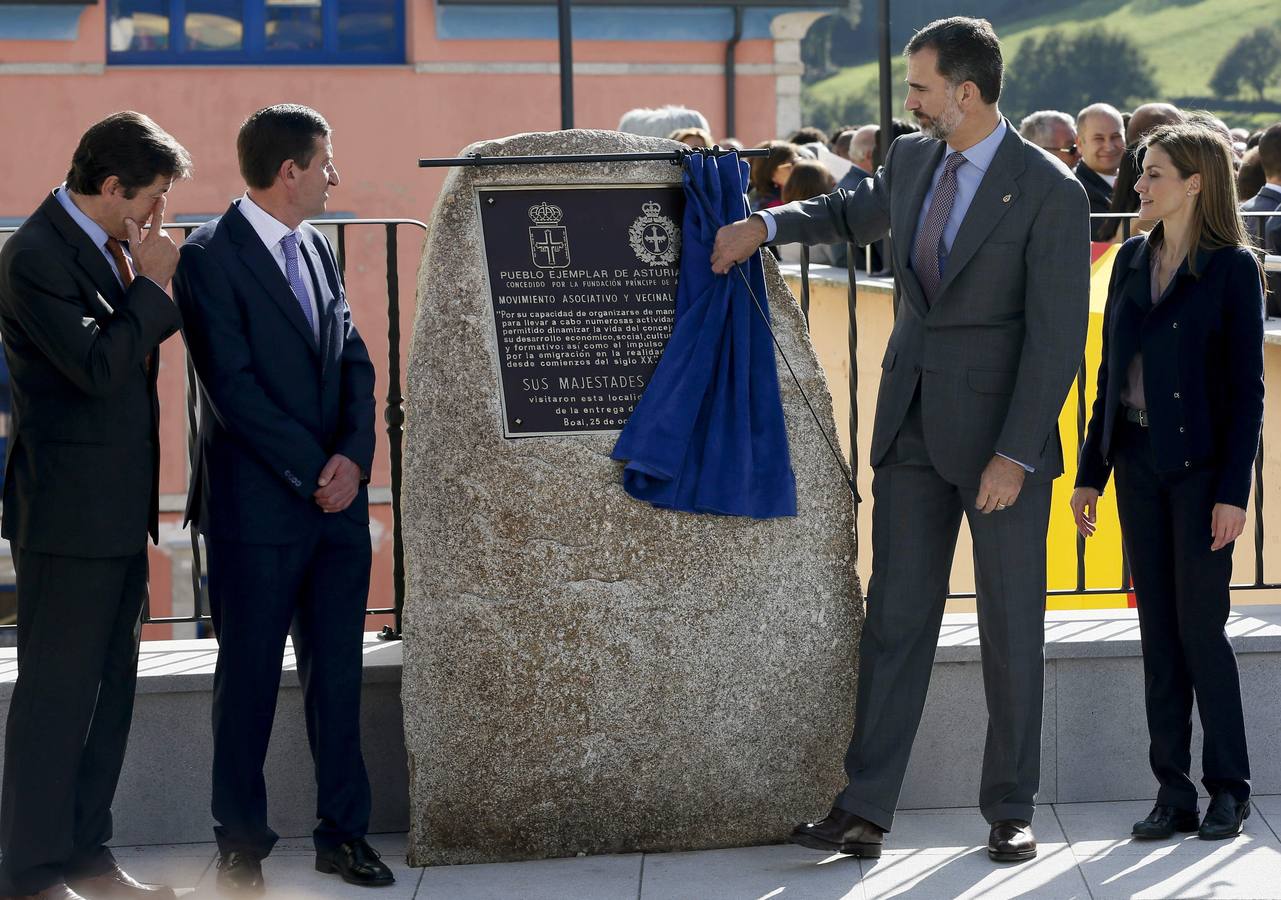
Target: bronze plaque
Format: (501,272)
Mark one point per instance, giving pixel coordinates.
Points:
(582,283)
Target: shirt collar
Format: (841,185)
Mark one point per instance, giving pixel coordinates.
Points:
(270,230)
(95,231)
(982,153)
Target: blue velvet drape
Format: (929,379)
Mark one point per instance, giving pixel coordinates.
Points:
(708,435)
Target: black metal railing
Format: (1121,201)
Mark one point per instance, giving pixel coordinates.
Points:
(393,417)
(1259,582)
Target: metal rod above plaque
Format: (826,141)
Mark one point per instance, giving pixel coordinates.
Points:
(582,283)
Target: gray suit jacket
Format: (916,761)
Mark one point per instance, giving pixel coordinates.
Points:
(996,352)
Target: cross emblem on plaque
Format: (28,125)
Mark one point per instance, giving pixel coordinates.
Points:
(656,238)
(549,247)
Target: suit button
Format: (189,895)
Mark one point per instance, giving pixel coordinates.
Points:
(1176,395)
(1176,324)
(1187,464)
(1180,429)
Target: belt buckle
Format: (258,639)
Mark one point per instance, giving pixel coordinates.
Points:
(1143,418)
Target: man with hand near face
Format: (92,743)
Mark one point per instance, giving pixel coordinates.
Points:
(83,310)
(991,270)
(286,442)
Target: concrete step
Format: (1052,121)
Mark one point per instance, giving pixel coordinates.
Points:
(1094,745)
(163,796)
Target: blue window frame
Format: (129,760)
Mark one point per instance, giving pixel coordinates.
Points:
(255,32)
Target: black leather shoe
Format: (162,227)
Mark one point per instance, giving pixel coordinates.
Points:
(357,863)
(841,832)
(1224,817)
(117,884)
(240,873)
(1164,821)
(1011,840)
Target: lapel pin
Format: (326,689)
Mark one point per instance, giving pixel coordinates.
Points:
(1006,198)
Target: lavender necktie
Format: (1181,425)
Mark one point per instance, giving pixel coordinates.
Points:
(289,243)
(927,247)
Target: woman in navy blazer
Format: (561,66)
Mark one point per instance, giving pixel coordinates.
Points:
(1178,413)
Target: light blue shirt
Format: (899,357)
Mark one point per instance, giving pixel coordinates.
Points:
(89,227)
(977,160)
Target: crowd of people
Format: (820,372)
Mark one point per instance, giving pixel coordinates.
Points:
(1102,146)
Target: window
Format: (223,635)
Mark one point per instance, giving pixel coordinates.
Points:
(255,32)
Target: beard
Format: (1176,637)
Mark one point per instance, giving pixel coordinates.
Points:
(941,128)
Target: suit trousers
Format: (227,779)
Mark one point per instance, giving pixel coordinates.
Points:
(69,716)
(915,521)
(1183,603)
(314,589)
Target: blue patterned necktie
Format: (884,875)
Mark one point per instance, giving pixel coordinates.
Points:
(927,248)
(289,243)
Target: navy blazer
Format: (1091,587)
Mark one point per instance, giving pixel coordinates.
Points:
(82,475)
(1099,192)
(274,405)
(1202,351)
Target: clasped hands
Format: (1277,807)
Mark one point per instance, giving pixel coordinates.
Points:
(339,483)
(1226,521)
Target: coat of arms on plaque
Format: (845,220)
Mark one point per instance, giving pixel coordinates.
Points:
(655,239)
(548,242)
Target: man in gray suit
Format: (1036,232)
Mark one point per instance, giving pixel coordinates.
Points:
(991,273)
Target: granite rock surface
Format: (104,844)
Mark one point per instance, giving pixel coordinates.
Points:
(584,673)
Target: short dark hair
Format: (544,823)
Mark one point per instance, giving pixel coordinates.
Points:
(967,49)
(1270,151)
(274,134)
(807,135)
(130,146)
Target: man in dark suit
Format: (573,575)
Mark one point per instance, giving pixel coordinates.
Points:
(1265,232)
(991,274)
(83,310)
(1100,132)
(286,442)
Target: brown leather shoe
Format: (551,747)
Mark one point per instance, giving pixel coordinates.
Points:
(841,832)
(53,892)
(1011,840)
(117,884)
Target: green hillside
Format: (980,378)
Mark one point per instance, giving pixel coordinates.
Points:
(1183,40)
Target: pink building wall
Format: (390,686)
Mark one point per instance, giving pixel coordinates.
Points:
(384,119)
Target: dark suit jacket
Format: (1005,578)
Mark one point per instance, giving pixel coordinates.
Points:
(1266,234)
(995,353)
(274,406)
(1099,192)
(82,470)
(1202,351)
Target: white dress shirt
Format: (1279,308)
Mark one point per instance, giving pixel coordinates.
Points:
(271,231)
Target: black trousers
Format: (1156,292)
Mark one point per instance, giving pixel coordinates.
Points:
(1183,599)
(78,630)
(314,589)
